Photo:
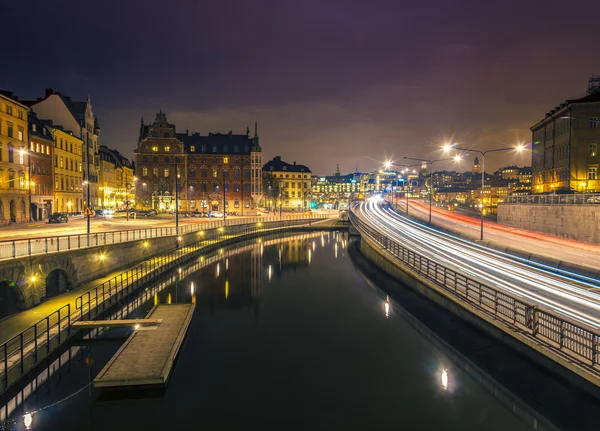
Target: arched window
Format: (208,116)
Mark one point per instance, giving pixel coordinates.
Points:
(236,148)
(225,148)
(246,148)
(203,148)
(214,148)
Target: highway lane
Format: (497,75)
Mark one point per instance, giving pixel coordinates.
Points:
(575,299)
(561,249)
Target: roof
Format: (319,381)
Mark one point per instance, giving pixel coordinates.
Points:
(216,143)
(114,156)
(590,98)
(40,127)
(10,95)
(279,165)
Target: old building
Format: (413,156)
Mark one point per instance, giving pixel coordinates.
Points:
(116,180)
(287,185)
(69,190)
(565,146)
(77,117)
(213,172)
(41,145)
(14,160)
(335,191)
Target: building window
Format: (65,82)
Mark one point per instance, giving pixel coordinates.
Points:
(246,188)
(9,110)
(593,150)
(167,148)
(21,156)
(20,114)
(203,188)
(215,173)
(236,203)
(592,173)
(20,134)
(203,173)
(10,130)
(214,148)
(594,123)
(144,171)
(155,172)
(166,134)
(166,172)
(11,154)
(215,186)
(236,187)
(62,162)
(193,149)
(155,148)
(11,179)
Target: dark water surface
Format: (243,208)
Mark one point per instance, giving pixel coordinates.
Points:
(286,335)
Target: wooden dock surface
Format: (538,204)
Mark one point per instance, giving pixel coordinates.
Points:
(147,357)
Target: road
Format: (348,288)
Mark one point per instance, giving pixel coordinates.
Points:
(561,249)
(101,224)
(574,299)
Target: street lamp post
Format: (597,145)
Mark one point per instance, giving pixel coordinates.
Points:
(448,147)
(389,164)
(430,163)
(176,201)
(225,162)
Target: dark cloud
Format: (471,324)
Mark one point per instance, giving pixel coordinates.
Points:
(347,82)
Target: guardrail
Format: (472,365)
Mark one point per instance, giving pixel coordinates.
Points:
(576,199)
(52,244)
(578,343)
(25,350)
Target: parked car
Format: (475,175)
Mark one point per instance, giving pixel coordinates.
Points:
(215,214)
(99,213)
(195,214)
(59,218)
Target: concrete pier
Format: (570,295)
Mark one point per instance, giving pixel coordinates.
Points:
(147,357)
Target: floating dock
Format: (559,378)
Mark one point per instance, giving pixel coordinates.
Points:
(147,357)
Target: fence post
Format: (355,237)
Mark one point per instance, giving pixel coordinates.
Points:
(35,336)
(22,365)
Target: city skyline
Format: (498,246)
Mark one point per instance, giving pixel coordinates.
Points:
(354,84)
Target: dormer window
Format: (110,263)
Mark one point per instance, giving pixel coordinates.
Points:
(167,148)
(285,168)
(193,149)
(166,134)
(155,148)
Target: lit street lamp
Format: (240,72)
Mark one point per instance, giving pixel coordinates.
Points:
(518,149)
(389,164)
(430,163)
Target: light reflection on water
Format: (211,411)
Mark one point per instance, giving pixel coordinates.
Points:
(296,326)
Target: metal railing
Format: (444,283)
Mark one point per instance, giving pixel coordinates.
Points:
(25,350)
(576,199)
(576,342)
(52,244)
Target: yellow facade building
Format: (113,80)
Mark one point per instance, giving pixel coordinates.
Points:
(14,160)
(68,172)
(286,185)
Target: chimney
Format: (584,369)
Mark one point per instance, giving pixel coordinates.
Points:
(294,163)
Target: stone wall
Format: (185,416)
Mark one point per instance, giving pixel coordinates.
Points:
(578,222)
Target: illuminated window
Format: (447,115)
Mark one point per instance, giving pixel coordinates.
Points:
(144,171)
(155,148)
(62,162)
(592,173)
(155,172)
(167,149)
(192,148)
(593,150)
(214,172)
(166,172)
(225,160)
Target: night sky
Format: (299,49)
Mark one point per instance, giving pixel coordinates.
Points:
(350,82)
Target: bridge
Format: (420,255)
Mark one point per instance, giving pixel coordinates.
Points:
(555,313)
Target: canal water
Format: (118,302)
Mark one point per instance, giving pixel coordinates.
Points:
(287,334)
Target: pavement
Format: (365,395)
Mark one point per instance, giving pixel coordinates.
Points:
(561,249)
